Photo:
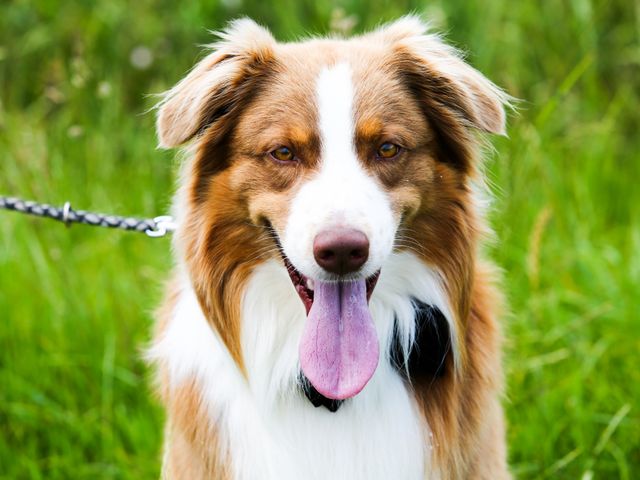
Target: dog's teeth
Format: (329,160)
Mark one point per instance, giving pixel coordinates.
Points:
(310,283)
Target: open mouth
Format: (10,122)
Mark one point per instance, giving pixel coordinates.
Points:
(339,348)
(305,286)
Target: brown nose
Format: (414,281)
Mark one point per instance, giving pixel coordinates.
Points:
(341,250)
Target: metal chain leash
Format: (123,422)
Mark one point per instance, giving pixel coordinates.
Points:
(152,227)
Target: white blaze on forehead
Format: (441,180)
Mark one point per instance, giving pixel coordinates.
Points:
(342,193)
(335,109)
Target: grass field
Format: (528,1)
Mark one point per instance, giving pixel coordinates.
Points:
(75,304)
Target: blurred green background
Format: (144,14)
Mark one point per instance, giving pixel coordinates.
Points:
(76,304)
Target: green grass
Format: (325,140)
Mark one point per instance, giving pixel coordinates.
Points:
(75,304)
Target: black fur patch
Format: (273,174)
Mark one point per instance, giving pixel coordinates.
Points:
(427,357)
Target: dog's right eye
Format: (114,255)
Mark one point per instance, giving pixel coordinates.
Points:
(283,154)
(388,150)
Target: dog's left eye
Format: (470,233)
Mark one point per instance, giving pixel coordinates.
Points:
(388,150)
(283,154)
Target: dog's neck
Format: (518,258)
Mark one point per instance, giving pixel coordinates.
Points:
(409,310)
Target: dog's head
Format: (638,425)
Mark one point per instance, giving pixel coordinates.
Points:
(330,154)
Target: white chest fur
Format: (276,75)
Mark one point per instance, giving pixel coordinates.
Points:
(270,429)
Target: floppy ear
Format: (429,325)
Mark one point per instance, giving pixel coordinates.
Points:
(442,80)
(214,87)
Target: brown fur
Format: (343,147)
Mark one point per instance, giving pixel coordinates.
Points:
(404,95)
(193,438)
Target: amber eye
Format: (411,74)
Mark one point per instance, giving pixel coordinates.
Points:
(283,154)
(388,150)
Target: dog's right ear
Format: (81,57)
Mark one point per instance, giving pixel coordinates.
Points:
(213,87)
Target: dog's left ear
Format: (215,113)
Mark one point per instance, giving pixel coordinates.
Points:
(216,85)
(443,81)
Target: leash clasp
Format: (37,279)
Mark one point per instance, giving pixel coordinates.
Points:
(164,225)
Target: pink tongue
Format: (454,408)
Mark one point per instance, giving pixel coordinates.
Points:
(339,346)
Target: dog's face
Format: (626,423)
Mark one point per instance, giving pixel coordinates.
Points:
(344,151)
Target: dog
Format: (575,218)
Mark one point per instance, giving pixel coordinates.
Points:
(330,315)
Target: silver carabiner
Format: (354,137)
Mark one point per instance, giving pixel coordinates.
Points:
(164,225)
